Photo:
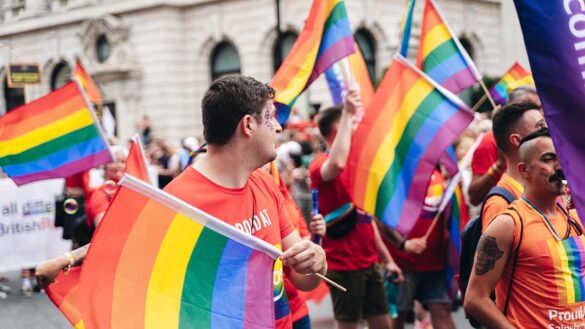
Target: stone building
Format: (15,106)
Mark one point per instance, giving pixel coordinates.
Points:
(156,57)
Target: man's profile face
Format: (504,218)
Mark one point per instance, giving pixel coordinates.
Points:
(543,164)
(267,131)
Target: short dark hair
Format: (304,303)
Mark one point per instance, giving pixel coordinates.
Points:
(542,132)
(327,118)
(227,101)
(506,121)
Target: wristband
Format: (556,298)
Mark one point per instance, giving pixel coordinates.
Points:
(70,262)
(402,245)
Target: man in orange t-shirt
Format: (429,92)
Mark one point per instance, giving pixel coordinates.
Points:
(533,254)
(510,125)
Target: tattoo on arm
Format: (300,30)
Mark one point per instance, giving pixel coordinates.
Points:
(487,254)
(79,254)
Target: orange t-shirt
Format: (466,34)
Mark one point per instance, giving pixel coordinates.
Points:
(258,205)
(497,204)
(548,289)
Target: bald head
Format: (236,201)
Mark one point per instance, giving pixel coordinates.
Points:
(528,146)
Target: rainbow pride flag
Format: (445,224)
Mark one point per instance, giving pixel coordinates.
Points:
(64,293)
(157,262)
(566,263)
(406,26)
(409,124)
(440,54)
(358,69)
(458,218)
(325,39)
(93,93)
(136,164)
(54,136)
(515,77)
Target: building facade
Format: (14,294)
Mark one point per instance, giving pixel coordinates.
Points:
(157,57)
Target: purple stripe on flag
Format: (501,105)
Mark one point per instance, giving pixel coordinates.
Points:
(259,292)
(447,134)
(68,169)
(460,81)
(339,50)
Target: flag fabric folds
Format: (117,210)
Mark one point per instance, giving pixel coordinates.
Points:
(64,293)
(458,218)
(554,41)
(93,93)
(440,54)
(325,39)
(157,262)
(54,136)
(359,71)
(136,164)
(515,77)
(409,124)
(405,27)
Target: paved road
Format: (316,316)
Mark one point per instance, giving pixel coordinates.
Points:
(18,312)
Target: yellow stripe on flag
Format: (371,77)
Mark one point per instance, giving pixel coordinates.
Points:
(436,37)
(72,122)
(298,83)
(386,152)
(163,300)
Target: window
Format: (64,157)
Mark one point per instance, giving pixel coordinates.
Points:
(102,49)
(60,76)
(14,96)
(282,47)
(467,46)
(365,41)
(225,60)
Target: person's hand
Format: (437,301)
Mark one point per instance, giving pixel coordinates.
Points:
(317,225)
(415,246)
(353,101)
(394,272)
(305,257)
(47,271)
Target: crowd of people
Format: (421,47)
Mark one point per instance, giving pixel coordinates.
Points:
(514,185)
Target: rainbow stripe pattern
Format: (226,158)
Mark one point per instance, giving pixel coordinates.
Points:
(567,264)
(395,149)
(515,77)
(440,54)
(406,26)
(358,69)
(93,93)
(64,293)
(325,39)
(157,262)
(54,136)
(458,218)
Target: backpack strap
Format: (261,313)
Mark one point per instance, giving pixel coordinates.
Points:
(499,191)
(515,261)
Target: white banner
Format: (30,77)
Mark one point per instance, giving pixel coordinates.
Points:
(28,235)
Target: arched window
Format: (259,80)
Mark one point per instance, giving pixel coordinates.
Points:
(282,47)
(365,41)
(61,75)
(467,46)
(224,60)
(14,96)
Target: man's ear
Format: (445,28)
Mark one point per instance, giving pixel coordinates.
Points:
(247,125)
(523,169)
(515,140)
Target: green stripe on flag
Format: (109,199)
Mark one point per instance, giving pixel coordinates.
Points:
(439,55)
(338,13)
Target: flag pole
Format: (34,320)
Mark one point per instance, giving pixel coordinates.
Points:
(435,221)
(479,103)
(487,93)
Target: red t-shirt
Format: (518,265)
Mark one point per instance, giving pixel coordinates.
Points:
(79,180)
(433,258)
(356,250)
(485,155)
(96,203)
(258,204)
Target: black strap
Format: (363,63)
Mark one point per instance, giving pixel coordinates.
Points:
(499,191)
(515,262)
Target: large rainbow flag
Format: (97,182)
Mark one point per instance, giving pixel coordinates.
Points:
(338,83)
(440,54)
(458,218)
(93,93)
(64,293)
(409,124)
(54,136)
(515,77)
(325,39)
(157,262)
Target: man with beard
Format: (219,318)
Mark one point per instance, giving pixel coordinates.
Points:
(532,253)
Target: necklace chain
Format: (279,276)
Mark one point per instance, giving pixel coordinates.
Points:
(547,222)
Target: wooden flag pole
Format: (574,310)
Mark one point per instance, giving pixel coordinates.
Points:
(479,103)
(430,230)
(331,282)
(487,93)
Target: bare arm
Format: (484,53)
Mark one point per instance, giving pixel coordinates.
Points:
(304,257)
(491,257)
(46,272)
(384,254)
(342,142)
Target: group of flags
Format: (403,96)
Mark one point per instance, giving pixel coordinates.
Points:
(187,275)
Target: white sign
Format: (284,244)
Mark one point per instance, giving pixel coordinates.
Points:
(28,235)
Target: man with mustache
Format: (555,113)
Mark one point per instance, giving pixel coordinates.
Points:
(532,253)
